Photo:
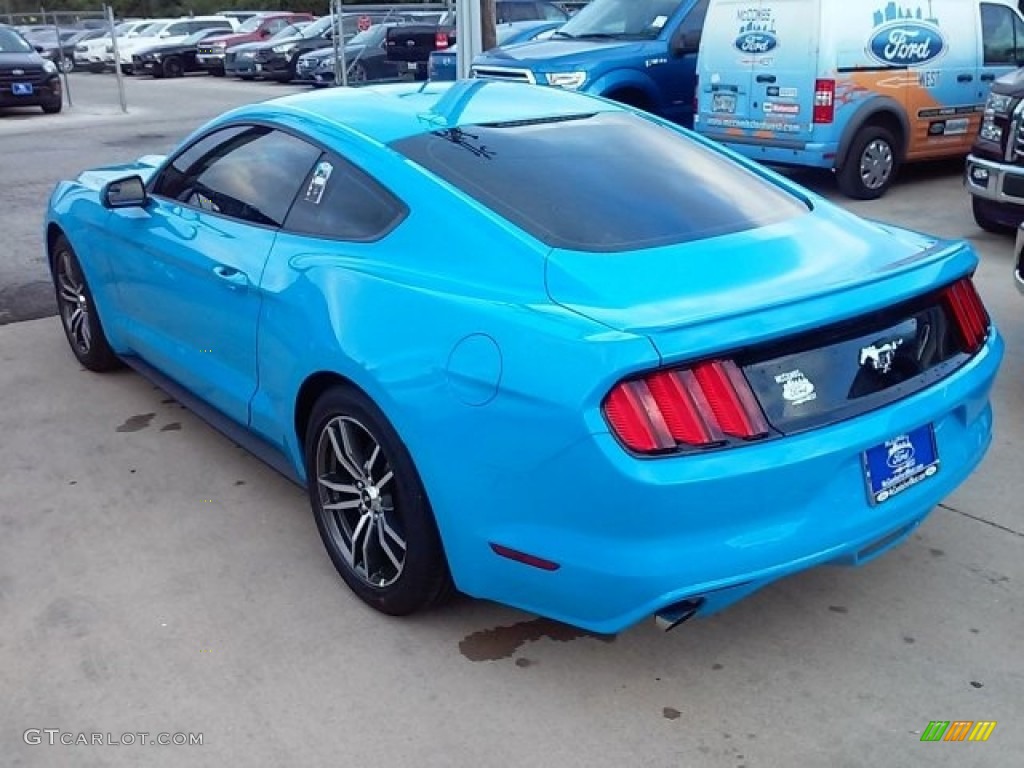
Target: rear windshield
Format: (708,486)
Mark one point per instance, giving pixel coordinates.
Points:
(602,182)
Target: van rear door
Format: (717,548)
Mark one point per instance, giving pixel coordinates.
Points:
(757,71)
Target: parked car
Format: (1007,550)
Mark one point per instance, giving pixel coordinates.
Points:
(172,59)
(257,28)
(59,47)
(995,167)
(443,65)
(240,60)
(412,45)
(817,83)
(700,400)
(26,78)
(92,54)
(365,60)
(167,31)
(638,52)
(277,60)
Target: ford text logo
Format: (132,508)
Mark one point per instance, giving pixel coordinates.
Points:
(756,43)
(906,44)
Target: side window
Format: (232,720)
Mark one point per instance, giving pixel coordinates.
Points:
(339,201)
(251,173)
(515,12)
(275,25)
(550,12)
(997,34)
(690,30)
(176,30)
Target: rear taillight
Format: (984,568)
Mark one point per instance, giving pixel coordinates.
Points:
(824,101)
(969,312)
(703,406)
(441,40)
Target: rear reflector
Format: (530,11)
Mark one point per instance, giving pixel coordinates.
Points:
(441,40)
(969,312)
(824,101)
(703,406)
(525,559)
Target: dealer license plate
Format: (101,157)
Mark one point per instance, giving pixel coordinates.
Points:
(723,101)
(900,463)
(21,89)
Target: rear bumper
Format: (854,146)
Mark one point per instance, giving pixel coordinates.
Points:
(795,154)
(277,68)
(631,537)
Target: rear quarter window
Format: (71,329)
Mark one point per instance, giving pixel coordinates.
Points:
(602,182)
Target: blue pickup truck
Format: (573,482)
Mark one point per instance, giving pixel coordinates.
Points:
(639,52)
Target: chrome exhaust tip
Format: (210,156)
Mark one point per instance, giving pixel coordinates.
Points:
(672,616)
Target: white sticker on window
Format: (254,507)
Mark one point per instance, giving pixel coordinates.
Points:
(659,22)
(317,184)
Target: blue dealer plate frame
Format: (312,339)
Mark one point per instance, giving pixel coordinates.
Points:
(21,89)
(900,463)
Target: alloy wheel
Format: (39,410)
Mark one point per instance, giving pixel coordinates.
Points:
(355,490)
(74,304)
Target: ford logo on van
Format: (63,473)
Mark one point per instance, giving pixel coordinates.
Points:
(756,43)
(906,44)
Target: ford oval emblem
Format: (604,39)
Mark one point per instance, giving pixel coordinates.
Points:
(17,72)
(906,44)
(756,43)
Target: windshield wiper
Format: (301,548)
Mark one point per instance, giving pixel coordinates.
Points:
(566,35)
(599,36)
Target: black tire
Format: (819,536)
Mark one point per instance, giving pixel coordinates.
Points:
(53,107)
(66,64)
(247,78)
(97,69)
(871,164)
(216,72)
(173,67)
(345,423)
(77,311)
(986,222)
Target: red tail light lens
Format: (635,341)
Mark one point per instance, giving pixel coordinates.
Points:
(441,40)
(824,101)
(969,312)
(698,407)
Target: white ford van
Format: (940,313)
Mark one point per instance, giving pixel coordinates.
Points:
(852,85)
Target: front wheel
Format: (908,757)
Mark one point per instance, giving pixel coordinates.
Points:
(66,64)
(985,220)
(371,508)
(870,166)
(173,67)
(53,107)
(77,310)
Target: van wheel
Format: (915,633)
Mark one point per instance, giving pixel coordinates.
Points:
(871,165)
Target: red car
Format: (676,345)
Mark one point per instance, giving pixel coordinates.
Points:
(255,29)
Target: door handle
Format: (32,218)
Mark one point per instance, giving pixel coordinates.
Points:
(988,78)
(766,78)
(965,78)
(231,276)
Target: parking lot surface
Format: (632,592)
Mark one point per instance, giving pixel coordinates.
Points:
(155,578)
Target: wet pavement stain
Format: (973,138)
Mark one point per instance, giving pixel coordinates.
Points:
(839,609)
(908,640)
(502,642)
(716,666)
(174,426)
(936,552)
(136,423)
(976,684)
(523,662)
(670,713)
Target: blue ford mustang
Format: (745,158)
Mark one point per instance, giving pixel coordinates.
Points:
(535,346)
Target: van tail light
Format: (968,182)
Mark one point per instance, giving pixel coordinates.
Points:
(441,40)
(703,406)
(824,101)
(972,319)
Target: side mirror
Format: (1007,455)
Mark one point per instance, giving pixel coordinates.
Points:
(129,192)
(39,49)
(688,42)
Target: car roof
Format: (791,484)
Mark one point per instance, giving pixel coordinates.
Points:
(387,113)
